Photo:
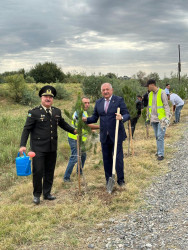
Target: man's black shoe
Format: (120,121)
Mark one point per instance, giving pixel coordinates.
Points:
(49,197)
(160,158)
(121,184)
(36,200)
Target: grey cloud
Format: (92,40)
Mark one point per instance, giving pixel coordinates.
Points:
(61,31)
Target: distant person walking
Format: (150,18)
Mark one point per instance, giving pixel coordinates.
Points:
(167,89)
(158,112)
(178,104)
(41,125)
(145,99)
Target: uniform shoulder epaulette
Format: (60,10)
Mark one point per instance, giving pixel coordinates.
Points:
(54,107)
(35,108)
(38,107)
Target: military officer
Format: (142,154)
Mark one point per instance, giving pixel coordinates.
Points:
(41,125)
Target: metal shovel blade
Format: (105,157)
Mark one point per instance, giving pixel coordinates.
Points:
(110,184)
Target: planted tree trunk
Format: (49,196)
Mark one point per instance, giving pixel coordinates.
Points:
(130,145)
(147,131)
(79,163)
(131,138)
(128,141)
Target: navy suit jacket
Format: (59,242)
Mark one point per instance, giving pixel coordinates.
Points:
(108,120)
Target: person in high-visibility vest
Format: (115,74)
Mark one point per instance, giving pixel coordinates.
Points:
(72,139)
(158,112)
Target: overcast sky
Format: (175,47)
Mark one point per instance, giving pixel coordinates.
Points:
(92,36)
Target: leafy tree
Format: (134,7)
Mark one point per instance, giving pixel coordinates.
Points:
(47,73)
(130,99)
(29,79)
(176,87)
(141,76)
(19,91)
(80,126)
(92,86)
(154,76)
(10,73)
(22,71)
(111,75)
(16,86)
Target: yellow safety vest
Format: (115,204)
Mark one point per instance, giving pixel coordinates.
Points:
(84,132)
(160,108)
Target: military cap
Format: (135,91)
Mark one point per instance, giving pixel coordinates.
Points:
(47,90)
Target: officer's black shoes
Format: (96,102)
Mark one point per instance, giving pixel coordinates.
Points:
(160,158)
(121,183)
(49,197)
(36,200)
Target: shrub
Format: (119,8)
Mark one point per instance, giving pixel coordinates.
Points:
(61,92)
(29,98)
(16,86)
(74,77)
(92,85)
(29,79)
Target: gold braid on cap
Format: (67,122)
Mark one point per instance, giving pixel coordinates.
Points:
(48,92)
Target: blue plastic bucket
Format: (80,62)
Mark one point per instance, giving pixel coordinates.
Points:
(23,165)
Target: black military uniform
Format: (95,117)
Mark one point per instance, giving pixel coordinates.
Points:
(42,128)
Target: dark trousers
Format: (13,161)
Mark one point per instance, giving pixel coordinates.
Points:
(133,124)
(107,150)
(43,172)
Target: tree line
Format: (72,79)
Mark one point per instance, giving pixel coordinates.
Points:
(49,72)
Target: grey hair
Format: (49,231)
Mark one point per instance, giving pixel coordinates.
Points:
(106,83)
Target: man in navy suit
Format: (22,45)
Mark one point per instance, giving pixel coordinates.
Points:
(106,109)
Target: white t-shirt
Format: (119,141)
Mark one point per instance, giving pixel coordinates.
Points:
(176,100)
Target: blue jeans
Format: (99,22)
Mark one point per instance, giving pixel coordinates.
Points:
(159,134)
(177,113)
(73,159)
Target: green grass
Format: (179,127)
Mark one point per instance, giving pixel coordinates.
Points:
(67,221)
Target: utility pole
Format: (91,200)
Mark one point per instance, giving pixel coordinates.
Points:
(179,63)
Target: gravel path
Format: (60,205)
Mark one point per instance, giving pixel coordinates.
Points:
(164,224)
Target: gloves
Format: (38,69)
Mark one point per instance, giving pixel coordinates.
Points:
(165,122)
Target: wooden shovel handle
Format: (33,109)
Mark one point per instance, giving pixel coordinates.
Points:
(115,144)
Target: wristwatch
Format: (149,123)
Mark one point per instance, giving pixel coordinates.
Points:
(122,118)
